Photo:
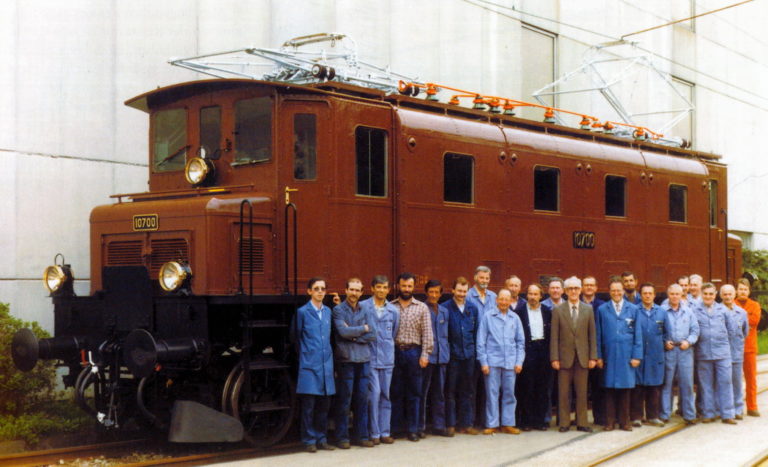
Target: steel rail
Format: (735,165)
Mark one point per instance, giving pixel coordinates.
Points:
(54,456)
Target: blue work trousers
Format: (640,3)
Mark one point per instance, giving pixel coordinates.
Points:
(460,393)
(406,389)
(738,387)
(380,402)
(433,388)
(678,365)
(352,390)
(504,380)
(314,418)
(716,382)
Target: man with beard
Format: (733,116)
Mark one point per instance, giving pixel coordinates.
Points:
(534,383)
(629,282)
(413,344)
(355,328)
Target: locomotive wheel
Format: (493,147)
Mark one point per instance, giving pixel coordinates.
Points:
(268,413)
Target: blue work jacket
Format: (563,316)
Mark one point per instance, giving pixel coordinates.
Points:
(681,325)
(652,324)
(636,301)
(473,296)
(462,329)
(441,351)
(383,348)
(619,340)
(713,332)
(500,340)
(312,337)
(351,338)
(737,332)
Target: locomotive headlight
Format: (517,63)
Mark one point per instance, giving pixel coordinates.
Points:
(56,277)
(173,275)
(198,170)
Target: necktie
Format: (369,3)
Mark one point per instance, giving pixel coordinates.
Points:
(618,309)
(574,313)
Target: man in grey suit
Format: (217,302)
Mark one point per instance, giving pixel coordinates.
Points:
(573,352)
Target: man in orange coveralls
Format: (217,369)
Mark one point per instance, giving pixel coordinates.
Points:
(750,346)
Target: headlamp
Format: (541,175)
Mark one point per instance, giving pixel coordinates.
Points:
(173,275)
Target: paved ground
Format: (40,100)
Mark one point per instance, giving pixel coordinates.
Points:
(712,444)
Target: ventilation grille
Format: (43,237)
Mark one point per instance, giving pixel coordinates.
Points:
(126,253)
(252,248)
(167,249)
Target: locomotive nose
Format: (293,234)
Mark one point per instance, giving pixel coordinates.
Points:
(27,349)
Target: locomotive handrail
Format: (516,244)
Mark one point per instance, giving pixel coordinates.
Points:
(286,289)
(250,247)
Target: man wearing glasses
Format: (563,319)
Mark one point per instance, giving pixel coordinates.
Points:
(311,333)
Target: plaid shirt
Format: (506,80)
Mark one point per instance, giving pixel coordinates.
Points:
(415,326)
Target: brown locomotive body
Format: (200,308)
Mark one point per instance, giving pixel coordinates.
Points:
(379,184)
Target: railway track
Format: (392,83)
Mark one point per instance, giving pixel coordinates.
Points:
(69,454)
(761,459)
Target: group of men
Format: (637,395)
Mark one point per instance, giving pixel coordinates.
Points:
(495,355)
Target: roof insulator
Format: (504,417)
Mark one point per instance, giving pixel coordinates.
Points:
(478,102)
(549,116)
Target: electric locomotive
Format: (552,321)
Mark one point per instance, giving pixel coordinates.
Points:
(255,186)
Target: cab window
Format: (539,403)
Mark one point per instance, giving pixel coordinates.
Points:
(371,161)
(678,200)
(253,130)
(458,178)
(304,147)
(546,189)
(615,196)
(210,130)
(169,140)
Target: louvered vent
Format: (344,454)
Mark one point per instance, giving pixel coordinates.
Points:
(125,253)
(167,249)
(252,247)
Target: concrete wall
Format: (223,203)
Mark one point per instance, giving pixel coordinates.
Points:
(67,142)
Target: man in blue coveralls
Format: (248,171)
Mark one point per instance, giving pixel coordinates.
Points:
(713,357)
(311,332)
(737,334)
(646,397)
(355,328)
(387,319)
(501,351)
(435,373)
(460,390)
(681,332)
(619,352)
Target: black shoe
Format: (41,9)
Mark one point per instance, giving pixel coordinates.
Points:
(326,447)
(413,437)
(366,443)
(563,429)
(542,427)
(421,434)
(343,444)
(690,422)
(526,428)
(310,448)
(446,433)
(585,429)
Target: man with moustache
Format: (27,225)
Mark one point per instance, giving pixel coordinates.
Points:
(534,383)
(629,282)
(750,346)
(413,344)
(355,329)
(460,390)
(573,352)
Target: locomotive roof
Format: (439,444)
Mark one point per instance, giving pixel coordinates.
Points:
(164,95)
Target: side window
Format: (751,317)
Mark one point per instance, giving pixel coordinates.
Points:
(304,147)
(169,140)
(210,130)
(371,161)
(713,203)
(253,130)
(615,196)
(546,189)
(678,201)
(458,178)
